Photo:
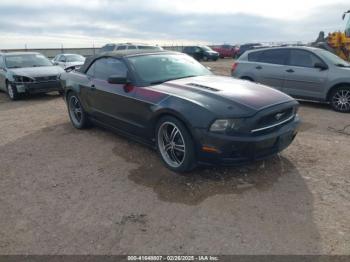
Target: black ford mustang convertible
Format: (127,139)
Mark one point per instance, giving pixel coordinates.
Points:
(173,103)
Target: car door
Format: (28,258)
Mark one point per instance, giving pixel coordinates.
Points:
(270,67)
(2,74)
(303,79)
(109,103)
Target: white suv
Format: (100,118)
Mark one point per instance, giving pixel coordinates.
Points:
(128,46)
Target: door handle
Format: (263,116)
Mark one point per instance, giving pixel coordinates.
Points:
(290,71)
(259,67)
(93,87)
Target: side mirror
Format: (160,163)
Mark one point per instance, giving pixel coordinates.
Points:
(321,66)
(118,80)
(209,68)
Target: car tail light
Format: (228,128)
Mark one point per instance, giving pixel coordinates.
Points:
(234,67)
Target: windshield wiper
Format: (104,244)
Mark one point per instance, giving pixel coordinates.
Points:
(170,79)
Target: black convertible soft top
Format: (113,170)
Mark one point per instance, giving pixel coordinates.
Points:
(118,54)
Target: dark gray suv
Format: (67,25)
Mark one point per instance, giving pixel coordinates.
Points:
(302,72)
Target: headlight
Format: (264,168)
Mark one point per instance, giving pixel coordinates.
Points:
(226,125)
(21,79)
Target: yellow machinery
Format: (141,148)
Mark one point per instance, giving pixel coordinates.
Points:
(340,41)
(336,42)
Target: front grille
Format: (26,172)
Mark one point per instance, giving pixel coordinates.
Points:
(274,119)
(46,78)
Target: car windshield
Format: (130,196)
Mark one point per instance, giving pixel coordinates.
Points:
(75,58)
(26,60)
(332,58)
(206,48)
(159,68)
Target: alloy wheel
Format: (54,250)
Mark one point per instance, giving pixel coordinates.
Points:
(341,100)
(10,91)
(171,144)
(75,110)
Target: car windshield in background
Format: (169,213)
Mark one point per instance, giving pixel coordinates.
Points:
(148,47)
(206,48)
(75,58)
(336,60)
(30,60)
(156,69)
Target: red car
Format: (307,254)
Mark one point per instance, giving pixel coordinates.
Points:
(226,51)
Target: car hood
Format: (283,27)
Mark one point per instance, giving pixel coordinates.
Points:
(216,91)
(37,71)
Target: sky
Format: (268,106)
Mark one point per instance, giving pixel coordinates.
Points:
(87,23)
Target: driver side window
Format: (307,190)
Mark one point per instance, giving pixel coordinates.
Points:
(62,58)
(104,68)
(303,58)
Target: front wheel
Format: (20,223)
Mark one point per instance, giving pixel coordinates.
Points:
(340,99)
(76,112)
(175,145)
(12,92)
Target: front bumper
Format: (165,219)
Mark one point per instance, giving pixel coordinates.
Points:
(238,150)
(38,87)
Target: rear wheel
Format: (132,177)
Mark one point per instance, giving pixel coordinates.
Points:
(175,145)
(340,99)
(12,92)
(76,112)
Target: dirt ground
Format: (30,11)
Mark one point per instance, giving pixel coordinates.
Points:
(65,191)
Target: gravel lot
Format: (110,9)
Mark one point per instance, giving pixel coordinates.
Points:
(64,191)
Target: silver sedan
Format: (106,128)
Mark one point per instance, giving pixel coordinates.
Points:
(302,72)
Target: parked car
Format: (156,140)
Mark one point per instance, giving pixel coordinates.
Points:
(28,72)
(302,72)
(247,47)
(174,104)
(226,51)
(68,60)
(128,46)
(201,53)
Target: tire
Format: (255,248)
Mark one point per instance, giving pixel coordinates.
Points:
(12,91)
(340,99)
(175,145)
(77,115)
(205,58)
